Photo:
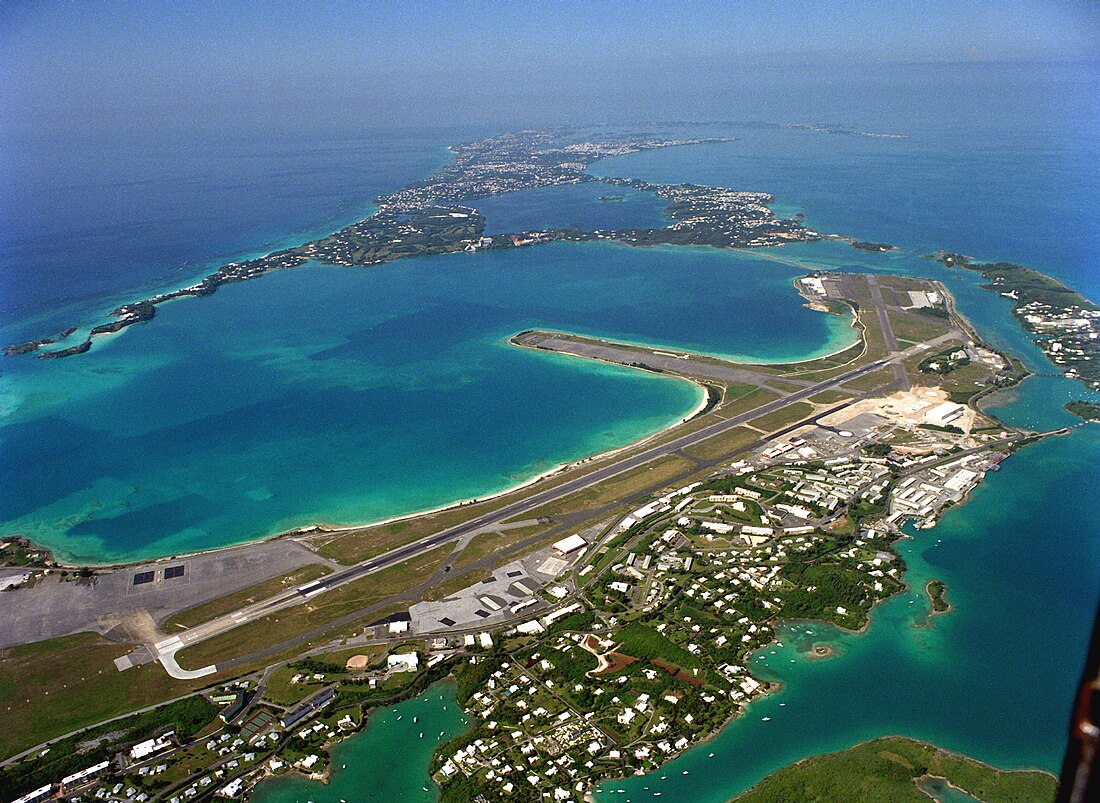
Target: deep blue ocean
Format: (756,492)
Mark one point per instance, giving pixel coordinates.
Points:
(345,396)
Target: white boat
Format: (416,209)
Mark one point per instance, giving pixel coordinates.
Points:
(766,719)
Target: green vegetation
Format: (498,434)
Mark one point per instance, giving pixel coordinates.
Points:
(187,717)
(1062,320)
(726,443)
(780,418)
(944,362)
(651,475)
(1030,285)
(827,397)
(914,329)
(886,770)
(937,595)
(820,588)
(1090,411)
(53,687)
(246,596)
(872,247)
(389,235)
(16,551)
(486,544)
(643,642)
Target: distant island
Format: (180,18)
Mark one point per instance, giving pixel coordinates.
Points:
(435,216)
(874,248)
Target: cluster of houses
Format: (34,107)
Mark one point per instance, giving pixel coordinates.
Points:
(1069,336)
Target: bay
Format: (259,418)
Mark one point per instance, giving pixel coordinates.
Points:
(388,760)
(349,396)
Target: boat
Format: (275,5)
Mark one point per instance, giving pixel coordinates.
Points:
(416,719)
(766,719)
(711,755)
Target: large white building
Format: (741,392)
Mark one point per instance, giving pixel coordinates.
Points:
(943,414)
(570,544)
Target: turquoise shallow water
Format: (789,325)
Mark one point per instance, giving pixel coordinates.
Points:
(348,396)
(388,760)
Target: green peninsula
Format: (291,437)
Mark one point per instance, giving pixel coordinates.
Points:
(894,769)
(1063,323)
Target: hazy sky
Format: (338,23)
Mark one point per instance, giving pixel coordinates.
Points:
(86,64)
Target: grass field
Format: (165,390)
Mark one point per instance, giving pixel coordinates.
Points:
(910,328)
(231,602)
(886,770)
(827,397)
(723,444)
(52,687)
(489,543)
(873,380)
(782,417)
(620,487)
(646,644)
(281,691)
(446,588)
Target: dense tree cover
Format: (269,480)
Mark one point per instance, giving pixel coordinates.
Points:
(1086,410)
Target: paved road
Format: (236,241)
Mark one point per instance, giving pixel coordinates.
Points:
(165,650)
(663,359)
(901,380)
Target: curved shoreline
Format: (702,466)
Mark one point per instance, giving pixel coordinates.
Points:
(322,528)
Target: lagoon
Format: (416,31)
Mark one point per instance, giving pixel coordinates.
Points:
(346,396)
(388,760)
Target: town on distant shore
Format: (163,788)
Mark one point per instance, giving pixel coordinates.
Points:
(437,216)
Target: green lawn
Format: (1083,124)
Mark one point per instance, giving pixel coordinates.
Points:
(52,687)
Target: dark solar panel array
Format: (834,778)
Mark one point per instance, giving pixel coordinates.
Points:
(173,571)
(141,578)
